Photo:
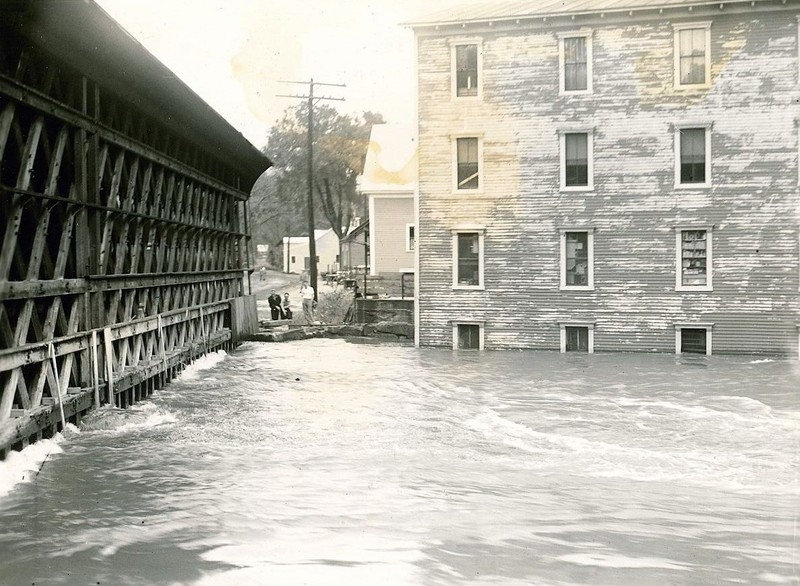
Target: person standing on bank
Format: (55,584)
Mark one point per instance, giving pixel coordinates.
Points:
(307,292)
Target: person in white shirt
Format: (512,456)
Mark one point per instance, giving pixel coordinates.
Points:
(307,292)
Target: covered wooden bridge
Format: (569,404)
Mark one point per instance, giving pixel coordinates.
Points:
(123,219)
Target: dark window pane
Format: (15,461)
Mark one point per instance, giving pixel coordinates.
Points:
(577,339)
(469,337)
(693,340)
(693,155)
(467,70)
(577,258)
(576,159)
(468,259)
(575,64)
(467,157)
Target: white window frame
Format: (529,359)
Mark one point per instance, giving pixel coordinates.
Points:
(797,131)
(454,147)
(563,260)
(798,48)
(562,141)
(708,327)
(707,126)
(408,237)
(467,322)
(679,286)
(454,71)
(469,229)
(676,50)
(576,324)
(562,82)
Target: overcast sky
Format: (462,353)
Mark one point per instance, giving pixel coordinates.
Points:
(234,52)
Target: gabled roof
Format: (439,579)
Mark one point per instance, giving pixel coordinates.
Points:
(304,239)
(355,232)
(513,9)
(391,161)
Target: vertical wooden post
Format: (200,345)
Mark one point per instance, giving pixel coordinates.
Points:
(95,371)
(109,364)
(52,352)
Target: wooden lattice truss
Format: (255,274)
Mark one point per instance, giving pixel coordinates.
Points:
(120,239)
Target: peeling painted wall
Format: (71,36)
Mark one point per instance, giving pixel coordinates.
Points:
(753,205)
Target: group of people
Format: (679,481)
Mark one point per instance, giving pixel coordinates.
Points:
(281,309)
(278,309)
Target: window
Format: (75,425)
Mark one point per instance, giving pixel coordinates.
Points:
(466,67)
(693,259)
(693,156)
(468,335)
(468,258)
(693,338)
(467,163)
(576,161)
(577,337)
(692,54)
(411,238)
(293,260)
(466,70)
(575,54)
(577,259)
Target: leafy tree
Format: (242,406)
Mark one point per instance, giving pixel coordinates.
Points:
(340,145)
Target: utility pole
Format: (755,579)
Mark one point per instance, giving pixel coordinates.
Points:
(312,244)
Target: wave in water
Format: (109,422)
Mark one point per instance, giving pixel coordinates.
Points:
(140,416)
(19,467)
(202,363)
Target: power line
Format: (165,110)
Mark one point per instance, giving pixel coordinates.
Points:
(312,245)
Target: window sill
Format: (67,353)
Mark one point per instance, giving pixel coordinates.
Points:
(690,289)
(693,186)
(469,288)
(693,88)
(567,93)
(468,192)
(577,188)
(576,288)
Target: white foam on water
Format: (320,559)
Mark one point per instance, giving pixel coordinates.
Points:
(143,415)
(620,561)
(19,467)
(763,360)
(775,578)
(202,363)
(727,468)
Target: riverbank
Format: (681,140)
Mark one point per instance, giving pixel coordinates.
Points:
(382,331)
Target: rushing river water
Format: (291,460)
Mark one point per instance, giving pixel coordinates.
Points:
(329,463)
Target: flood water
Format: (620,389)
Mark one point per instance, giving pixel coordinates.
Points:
(330,463)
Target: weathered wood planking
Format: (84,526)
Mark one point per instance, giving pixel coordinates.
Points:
(753,205)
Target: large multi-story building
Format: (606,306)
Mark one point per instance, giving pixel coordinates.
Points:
(610,175)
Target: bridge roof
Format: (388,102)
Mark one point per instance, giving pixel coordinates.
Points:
(85,37)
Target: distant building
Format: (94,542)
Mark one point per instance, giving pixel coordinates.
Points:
(296,258)
(619,175)
(353,248)
(389,181)
(262,255)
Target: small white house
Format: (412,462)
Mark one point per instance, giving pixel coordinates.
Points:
(390,181)
(296,258)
